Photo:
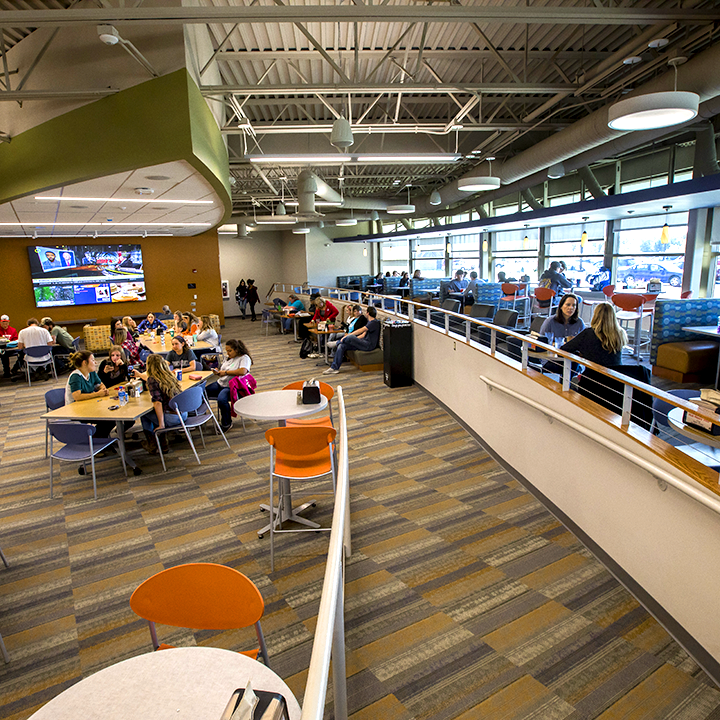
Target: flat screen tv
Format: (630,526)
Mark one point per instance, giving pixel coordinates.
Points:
(86,274)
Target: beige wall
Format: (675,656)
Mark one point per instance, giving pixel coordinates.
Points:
(324,264)
(170,265)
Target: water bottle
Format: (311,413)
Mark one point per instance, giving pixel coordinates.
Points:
(162,340)
(122,395)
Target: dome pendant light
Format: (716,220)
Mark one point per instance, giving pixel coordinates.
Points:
(402,209)
(341,135)
(655,110)
(435,198)
(478,183)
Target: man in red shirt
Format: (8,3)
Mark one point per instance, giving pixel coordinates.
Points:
(6,333)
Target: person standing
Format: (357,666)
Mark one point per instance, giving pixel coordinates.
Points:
(241,296)
(252,298)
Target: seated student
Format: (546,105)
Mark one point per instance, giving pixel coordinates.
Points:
(63,339)
(238,362)
(417,275)
(166,313)
(404,279)
(162,386)
(32,336)
(355,322)
(552,278)
(179,325)
(151,322)
(9,334)
(603,341)
(296,304)
(131,326)
(366,338)
(469,293)
(207,333)
(191,324)
(457,284)
(132,349)
(84,383)
(113,369)
(181,355)
(565,323)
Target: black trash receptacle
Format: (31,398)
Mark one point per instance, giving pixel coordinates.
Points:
(398,355)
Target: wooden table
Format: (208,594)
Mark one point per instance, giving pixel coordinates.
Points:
(98,409)
(318,333)
(280,405)
(710,331)
(189,683)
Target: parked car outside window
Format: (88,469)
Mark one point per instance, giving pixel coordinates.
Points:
(643,272)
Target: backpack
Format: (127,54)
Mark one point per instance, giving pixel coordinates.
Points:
(306,348)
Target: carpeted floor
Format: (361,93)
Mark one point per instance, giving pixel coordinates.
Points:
(465,598)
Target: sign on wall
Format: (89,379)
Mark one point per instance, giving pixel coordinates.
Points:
(225,289)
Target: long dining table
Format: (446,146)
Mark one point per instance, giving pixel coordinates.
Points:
(98,410)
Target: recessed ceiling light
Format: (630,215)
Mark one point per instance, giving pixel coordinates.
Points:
(123,200)
(632,60)
(157,177)
(144,191)
(78,207)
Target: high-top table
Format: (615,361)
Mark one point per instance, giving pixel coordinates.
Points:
(190,683)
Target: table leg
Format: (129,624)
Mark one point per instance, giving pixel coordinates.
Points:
(285,511)
(120,430)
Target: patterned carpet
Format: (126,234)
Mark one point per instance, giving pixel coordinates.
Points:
(465,597)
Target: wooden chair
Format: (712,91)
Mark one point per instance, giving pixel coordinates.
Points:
(202,596)
(296,453)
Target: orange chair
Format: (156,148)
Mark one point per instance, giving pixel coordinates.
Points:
(686,295)
(203,596)
(296,453)
(608,291)
(631,310)
(327,391)
(543,295)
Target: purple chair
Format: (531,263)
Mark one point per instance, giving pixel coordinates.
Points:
(38,356)
(78,446)
(54,399)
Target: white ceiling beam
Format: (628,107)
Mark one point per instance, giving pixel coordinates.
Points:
(435,128)
(501,13)
(411,89)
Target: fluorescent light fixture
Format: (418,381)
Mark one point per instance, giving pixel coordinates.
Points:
(65,198)
(275,220)
(400,209)
(653,110)
(104,224)
(329,159)
(477,183)
(304,230)
(346,222)
(400,158)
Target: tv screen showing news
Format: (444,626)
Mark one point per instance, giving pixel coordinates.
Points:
(86,274)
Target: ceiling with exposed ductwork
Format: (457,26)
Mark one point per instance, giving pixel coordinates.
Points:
(431,90)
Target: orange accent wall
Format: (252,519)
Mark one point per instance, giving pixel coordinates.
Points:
(168,264)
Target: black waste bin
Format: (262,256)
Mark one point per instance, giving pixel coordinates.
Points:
(398,355)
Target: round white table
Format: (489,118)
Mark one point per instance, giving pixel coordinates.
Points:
(675,418)
(276,405)
(192,683)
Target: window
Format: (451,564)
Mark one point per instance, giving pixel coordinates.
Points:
(428,255)
(464,253)
(641,254)
(515,256)
(394,255)
(564,242)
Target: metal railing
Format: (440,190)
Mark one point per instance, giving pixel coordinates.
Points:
(329,640)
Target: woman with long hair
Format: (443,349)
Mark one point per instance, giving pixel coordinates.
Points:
(151,323)
(181,355)
(191,323)
(131,326)
(207,332)
(238,362)
(603,341)
(113,369)
(179,325)
(84,383)
(131,348)
(163,387)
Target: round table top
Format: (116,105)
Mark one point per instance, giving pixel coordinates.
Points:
(276,405)
(675,418)
(191,683)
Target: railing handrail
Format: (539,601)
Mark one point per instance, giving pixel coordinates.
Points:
(691,491)
(674,400)
(329,641)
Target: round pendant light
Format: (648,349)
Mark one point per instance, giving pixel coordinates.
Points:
(402,209)
(346,221)
(556,171)
(478,183)
(302,230)
(655,110)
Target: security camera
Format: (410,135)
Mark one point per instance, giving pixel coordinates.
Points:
(108,34)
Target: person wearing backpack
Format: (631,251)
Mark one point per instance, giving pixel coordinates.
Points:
(553,279)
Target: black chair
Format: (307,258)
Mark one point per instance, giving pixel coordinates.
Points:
(608,392)
(438,318)
(482,311)
(503,318)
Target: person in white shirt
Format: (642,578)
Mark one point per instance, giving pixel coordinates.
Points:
(238,362)
(33,336)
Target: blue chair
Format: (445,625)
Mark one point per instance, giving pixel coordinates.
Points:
(76,344)
(38,356)
(78,446)
(193,402)
(54,399)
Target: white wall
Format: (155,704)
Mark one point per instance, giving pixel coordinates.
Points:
(665,541)
(258,256)
(324,264)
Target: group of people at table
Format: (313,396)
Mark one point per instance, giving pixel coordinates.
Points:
(128,358)
(360,330)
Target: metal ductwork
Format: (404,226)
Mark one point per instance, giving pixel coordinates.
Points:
(585,137)
(529,198)
(309,185)
(706,162)
(591,183)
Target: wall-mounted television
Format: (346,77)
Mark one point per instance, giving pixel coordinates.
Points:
(86,274)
